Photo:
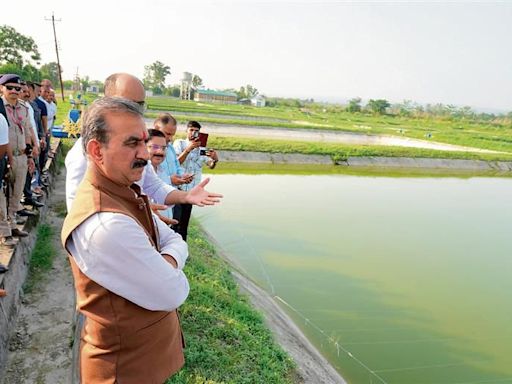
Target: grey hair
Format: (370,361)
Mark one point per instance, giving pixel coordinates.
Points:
(95,126)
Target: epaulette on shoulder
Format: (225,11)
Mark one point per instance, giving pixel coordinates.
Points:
(23,103)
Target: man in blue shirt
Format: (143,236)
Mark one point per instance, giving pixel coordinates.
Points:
(170,166)
(192,160)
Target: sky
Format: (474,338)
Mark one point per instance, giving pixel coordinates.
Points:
(429,52)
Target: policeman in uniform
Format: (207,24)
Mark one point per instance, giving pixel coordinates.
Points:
(20,130)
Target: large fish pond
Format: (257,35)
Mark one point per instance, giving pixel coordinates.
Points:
(396,278)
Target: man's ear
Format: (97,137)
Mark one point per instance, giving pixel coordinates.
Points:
(95,151)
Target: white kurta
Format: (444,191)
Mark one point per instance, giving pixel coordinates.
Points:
(76,165)
(132,269)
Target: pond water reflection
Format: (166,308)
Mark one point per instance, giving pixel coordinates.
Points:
(395,280)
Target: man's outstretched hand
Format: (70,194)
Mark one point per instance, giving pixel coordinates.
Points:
(201,197)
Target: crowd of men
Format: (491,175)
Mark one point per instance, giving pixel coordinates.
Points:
(126,260)
(129,194)
(27,113)
(179,162)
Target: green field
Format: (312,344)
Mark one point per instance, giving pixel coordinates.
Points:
(495,136)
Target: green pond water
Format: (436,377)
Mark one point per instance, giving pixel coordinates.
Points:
(395,280)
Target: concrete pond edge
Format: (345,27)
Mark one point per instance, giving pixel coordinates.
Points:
(365,161)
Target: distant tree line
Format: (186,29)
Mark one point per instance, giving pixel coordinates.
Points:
(406,109)
(19,54)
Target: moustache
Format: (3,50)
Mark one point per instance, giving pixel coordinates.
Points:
(158,155)
(139,163)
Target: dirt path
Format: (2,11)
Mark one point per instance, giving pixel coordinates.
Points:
(39,349)
(327,136)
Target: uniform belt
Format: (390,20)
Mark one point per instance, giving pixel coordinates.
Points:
(18,152)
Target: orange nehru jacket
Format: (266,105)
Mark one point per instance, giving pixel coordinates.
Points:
(121,342)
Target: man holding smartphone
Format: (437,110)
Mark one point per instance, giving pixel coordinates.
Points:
(192,160)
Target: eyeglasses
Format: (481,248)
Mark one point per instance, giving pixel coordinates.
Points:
(155,147)
(13,88)
(142,106)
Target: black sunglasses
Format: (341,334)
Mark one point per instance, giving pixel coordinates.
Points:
(13,88)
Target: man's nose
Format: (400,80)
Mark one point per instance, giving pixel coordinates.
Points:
(143,153)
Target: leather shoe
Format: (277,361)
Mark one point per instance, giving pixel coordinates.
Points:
(25,212)
(19,233)
(34,203)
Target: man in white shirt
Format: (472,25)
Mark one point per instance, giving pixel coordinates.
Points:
(130,87)
(51,107)
(127,290)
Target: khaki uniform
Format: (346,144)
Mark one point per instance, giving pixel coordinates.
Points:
(121,342)
(19,134)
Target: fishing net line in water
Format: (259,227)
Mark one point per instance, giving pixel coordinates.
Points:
(240,245)
(341,351)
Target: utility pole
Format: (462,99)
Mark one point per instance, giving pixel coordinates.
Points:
(57,51)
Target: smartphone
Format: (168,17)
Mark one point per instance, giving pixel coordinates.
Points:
(203,139)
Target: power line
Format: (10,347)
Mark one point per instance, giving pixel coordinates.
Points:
(57,51)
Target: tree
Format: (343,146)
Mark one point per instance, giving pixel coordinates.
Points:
(378,106)
(15,47)
(68,84)
(84,83)
(247,92)
(50,71)
(197,81)
(405,108)
(250,91)
(354,105)
(28,72)
(154,76)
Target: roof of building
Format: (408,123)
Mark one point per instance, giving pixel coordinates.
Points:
(216,93)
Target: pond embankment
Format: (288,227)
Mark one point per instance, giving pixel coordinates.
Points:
(365,161)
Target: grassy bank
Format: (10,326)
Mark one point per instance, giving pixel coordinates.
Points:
(41,258)
(316,169)
(341,151)
(467,132)
(227,341)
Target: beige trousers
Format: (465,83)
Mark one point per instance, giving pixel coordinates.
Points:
(19,167)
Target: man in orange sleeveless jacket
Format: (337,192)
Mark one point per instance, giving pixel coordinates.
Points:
(126,263)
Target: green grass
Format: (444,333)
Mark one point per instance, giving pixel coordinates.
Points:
(41,258)
(339,152)
(63,107)
(315,169)
(60,209)
(496,135)
(227,341)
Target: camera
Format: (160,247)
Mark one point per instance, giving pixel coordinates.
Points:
(195,135)
(202,152)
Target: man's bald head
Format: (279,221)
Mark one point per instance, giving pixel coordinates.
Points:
(126,86)
(45,83)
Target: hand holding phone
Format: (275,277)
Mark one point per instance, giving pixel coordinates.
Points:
(187,178)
